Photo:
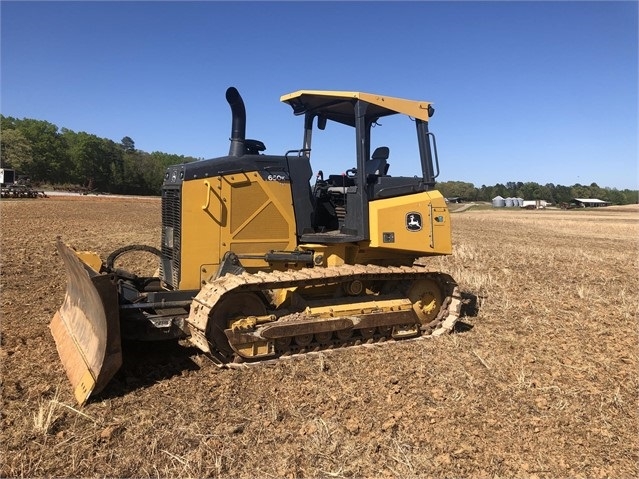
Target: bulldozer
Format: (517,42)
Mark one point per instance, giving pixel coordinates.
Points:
(258,262)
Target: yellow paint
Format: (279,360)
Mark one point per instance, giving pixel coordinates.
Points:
(332,254)
(261,217)
(239,212)
(84,388)
(256,349)
(416,109)
(201,227)
(91,259)
(248,215)
(364,307)
(389,218)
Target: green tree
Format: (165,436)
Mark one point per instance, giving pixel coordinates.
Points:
(114,156)
(500,190)
(50,159)
(127,144)
(597,192)
(96,162)
(579,191)
(461,189)
(15,150)
(562,194)
(528,191)
(513,188)
(486,193)
(632,197)
(615,196)
(139,174)
(7,123)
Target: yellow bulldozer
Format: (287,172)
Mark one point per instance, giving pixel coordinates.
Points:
(256,262)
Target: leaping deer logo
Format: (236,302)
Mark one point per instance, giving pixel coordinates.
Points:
(413,221)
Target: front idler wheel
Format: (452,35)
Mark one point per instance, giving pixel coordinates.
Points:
(230,309)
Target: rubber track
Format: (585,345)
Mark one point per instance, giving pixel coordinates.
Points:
(212,293)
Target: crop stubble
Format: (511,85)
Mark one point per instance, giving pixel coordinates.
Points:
(541,382)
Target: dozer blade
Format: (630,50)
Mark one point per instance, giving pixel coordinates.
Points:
(86,328)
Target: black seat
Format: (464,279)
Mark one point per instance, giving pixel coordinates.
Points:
(377,165)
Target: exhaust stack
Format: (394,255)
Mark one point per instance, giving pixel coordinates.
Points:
(238,126)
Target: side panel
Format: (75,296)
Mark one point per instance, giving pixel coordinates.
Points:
(239,212)
(202,219)
(417,223)
(260,217)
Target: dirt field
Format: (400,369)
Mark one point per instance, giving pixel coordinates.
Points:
(541,382)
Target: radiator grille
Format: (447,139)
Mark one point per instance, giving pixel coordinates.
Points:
(171,237)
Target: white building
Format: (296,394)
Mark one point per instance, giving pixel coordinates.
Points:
(534,204)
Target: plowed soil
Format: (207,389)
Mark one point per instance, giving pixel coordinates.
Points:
(540,379)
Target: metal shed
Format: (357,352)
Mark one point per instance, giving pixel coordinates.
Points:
(589,202)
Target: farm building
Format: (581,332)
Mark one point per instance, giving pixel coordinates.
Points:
(499,202)
(534,204)
(589,202)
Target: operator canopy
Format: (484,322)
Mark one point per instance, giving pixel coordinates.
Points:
(338,105)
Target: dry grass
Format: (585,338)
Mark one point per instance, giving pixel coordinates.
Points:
(46,415)
(542,382)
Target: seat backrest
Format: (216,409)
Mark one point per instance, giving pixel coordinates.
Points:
(377,164)
(381,153)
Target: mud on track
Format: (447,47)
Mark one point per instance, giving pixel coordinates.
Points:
(541,382)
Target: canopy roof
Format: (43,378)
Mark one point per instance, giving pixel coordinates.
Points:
(589,200)
(338,105)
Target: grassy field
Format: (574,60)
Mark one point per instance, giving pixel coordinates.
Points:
(540,381)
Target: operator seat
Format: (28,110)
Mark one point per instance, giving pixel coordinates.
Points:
(377,165)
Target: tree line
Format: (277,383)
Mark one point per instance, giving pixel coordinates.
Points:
(550,192)
(49,155)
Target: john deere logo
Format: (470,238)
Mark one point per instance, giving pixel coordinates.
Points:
(413,221)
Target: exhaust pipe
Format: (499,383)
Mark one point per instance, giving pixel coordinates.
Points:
(238,126)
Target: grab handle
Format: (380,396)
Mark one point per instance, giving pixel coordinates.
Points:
(208,195)
(435,157)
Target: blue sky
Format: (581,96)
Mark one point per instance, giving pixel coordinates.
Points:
(523,91)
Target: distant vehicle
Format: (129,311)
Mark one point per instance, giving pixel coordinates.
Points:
(17,187)
(7,176)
